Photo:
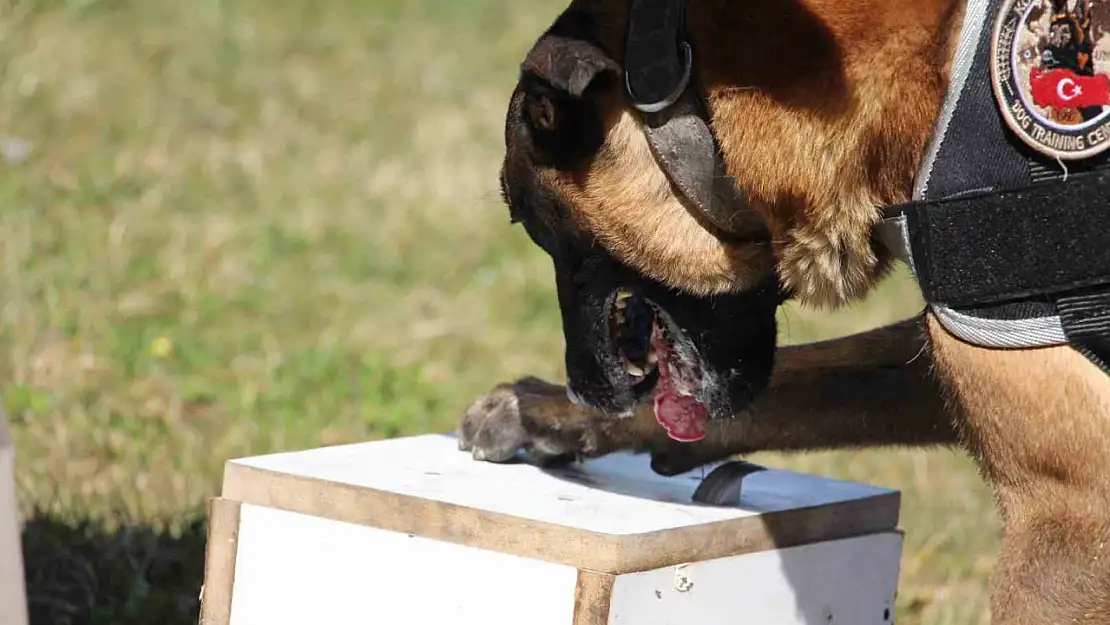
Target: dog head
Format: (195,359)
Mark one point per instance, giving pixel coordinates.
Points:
(655,298)
(626,328)
(1069,43)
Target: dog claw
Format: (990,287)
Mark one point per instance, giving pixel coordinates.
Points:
(479,454)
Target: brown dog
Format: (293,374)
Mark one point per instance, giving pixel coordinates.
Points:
(822,108)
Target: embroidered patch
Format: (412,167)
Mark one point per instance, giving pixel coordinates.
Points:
(1050,67)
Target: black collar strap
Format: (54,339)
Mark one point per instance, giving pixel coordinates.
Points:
(657,58)
(1008,233)
(658,67)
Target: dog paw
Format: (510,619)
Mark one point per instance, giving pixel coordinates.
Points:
(530,416)
(491,427)
(534,420)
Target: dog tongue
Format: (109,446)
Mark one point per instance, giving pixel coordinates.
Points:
(682,416)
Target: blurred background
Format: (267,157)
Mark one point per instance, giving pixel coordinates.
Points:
(235,227)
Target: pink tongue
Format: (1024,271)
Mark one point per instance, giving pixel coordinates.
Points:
(682,416)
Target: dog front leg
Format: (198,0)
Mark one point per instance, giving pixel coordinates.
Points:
(869,389)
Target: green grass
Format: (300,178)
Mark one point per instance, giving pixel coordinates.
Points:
(252,226)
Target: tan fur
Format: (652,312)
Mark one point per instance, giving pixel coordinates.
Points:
(816,172)
(848,139)
(1038,422)
(837,132)
(630,203)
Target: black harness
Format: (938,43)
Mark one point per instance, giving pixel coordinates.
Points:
(1007,232)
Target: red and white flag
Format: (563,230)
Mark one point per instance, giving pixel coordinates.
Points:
(1062,88)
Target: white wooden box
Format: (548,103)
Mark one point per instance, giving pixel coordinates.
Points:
(412,530)
(13,596)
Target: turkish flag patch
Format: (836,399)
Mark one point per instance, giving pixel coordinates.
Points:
(1062,88)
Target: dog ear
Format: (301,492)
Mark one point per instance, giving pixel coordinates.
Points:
(557,78)
(566,69)
(570,66)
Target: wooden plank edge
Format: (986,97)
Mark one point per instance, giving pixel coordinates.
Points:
(779,530)
(593,597)
(604,553)
(220,553)
(417,516)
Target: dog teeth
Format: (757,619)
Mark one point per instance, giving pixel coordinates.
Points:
(621,304)
(652,357)
(633,370)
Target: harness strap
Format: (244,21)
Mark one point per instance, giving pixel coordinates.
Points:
(687,150)
(658,67)
(1042,240)
(1086,319)
(1007,244)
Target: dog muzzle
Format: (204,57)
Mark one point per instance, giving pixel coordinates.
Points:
(1008,229)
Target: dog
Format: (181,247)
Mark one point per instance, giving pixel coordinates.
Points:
(1069,45)
(669,318)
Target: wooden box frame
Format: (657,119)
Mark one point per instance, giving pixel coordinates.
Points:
(419,504)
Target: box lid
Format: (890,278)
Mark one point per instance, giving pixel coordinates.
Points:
(611,515)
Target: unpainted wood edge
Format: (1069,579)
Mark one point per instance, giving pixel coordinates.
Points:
(417,516)
(593,597)
(604,553)
(780,530)
(220,553)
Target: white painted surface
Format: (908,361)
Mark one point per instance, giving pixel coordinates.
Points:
(13,595)
(850,582)
(617,494)
(293,569)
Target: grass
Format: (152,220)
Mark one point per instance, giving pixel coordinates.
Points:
(230,228)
